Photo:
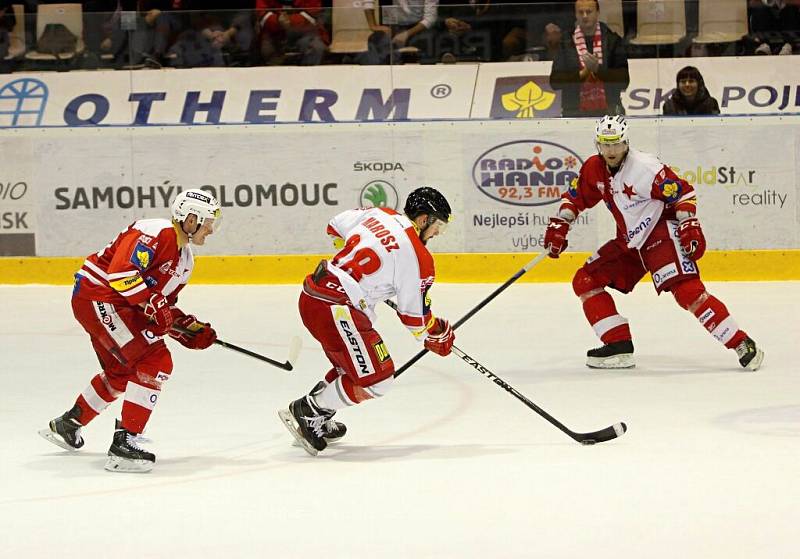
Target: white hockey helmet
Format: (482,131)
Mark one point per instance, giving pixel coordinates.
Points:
(611,129)
(197,202)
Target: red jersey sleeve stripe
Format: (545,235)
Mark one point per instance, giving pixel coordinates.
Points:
(426,268)
(412,321)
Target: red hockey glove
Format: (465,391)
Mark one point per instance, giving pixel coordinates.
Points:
(157,310)
(192,333)
(440,337)
(555,236)
(690,235)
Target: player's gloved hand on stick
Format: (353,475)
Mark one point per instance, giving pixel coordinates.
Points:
(555,236)
(192,333)
(157,310)
(690,235)
(440,337)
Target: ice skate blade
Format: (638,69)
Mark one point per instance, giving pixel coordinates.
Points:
(54,438)
(291,425)
(330,441)
(621,361)
(128,465)
(755,362)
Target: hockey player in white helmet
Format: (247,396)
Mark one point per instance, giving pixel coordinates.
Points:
(657,232)
(125,298)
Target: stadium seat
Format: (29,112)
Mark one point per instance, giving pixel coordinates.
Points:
(611,14)
(721,21)
(349,27)
(659,22)
(71,16)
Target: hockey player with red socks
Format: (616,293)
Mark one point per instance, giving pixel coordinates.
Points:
(383,255)
(125,297)
(657,232)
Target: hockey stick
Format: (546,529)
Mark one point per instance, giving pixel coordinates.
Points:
(294,349)
(477,307)
(603,435)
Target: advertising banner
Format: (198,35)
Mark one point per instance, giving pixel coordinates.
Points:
(741,85)
(261,95)
(18,202)
(280,184)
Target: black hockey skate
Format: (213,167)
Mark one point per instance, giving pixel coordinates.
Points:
(750,356)
(306,422)
(333,431)
(125,454)
(65,431)
(616,355)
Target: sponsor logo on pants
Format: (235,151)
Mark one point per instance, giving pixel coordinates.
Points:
(356,347)
(665,273)
(113,324)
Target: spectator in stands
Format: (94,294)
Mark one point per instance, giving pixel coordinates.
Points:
(157,28)
(406,23)
(101,29)
(7,22)
(591,67)
(142,39)
(463,31)
(690,96)
(774,25)
(551,39)
(533,28)
(213,37)
(291,26)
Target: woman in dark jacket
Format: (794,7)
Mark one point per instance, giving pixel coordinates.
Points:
(690,96)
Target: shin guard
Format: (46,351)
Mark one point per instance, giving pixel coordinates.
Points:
(600,310)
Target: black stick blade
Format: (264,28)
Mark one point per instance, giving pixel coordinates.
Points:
(603,435)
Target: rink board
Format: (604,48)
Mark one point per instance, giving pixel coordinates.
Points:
(503,180)
(744,265)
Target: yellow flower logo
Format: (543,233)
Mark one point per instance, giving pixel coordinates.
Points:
(528,99)
(143,257)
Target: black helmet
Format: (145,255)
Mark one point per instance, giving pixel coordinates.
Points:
(427,200)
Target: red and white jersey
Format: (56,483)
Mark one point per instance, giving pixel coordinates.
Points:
(384,257)
(143,259)
(641,192)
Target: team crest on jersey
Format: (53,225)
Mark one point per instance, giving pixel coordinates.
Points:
(572,189)
(670,189)
(142,256)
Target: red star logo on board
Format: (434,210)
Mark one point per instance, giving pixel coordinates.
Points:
(628,190)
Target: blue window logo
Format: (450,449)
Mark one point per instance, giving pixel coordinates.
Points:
(22,102)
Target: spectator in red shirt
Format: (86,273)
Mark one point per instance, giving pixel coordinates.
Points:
(291,25)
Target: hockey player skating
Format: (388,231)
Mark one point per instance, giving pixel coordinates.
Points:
(657,232)
(383,255)
(124,297)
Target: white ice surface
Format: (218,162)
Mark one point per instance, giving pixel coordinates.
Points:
(446,465)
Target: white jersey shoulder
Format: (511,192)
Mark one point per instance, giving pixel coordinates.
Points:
(382,258)
(152,227)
